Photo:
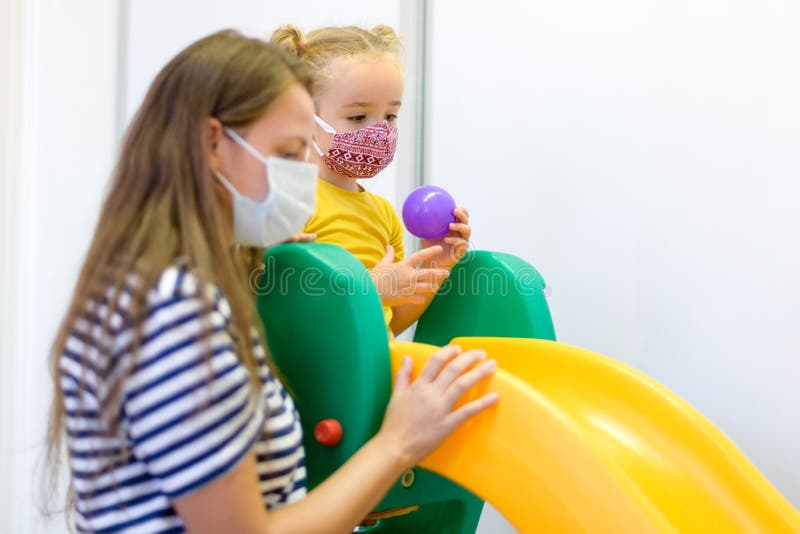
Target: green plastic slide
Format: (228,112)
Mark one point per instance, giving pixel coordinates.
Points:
(325,330)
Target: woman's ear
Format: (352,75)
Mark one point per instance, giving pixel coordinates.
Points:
(213,134)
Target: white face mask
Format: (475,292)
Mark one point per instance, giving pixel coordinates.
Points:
(287,208)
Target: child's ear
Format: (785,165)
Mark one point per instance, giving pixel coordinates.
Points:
(213,133)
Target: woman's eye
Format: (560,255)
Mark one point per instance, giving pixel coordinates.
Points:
(290,155)
(356,118)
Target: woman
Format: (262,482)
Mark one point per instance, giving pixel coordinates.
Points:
(174,419)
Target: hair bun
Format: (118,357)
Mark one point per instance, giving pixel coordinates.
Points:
(290,38)
(387,35)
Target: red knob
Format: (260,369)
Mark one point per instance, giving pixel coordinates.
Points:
(328,432)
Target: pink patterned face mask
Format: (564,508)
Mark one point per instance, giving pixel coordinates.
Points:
(362,153)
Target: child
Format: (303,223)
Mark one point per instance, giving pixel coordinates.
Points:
(173,418)
(357,88)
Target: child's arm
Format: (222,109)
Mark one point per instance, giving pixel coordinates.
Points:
(404,315)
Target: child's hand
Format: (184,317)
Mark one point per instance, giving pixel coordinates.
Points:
(454,245)
(302,237)
(401,282)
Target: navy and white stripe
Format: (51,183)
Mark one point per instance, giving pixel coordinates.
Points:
(187,411)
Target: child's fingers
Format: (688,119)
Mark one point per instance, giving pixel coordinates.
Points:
(430,275)
(388,258)
(461,229)
(302,238)
(461,214)
(422,288)
(421,256)
(457,242)
(459,246)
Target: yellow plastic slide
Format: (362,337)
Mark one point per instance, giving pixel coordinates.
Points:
(582,443)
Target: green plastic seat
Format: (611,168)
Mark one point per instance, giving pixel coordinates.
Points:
(488,294)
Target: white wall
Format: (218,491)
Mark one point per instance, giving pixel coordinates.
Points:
(644,156)
(9,126)
(60,136)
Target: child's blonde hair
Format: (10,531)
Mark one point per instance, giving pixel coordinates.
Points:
(319,48)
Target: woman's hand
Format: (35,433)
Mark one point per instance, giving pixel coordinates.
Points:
(420,414)
(419,417)
(454,245)
(402,283)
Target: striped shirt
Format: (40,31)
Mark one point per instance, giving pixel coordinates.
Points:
(186,408)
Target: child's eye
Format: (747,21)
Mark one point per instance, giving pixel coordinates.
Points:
(356,118)
(391,117)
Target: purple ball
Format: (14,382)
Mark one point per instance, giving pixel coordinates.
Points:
(428,212)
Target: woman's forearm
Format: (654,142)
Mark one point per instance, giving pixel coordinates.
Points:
(347,496)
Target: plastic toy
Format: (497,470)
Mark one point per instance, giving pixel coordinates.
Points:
(428,212)
(578,443)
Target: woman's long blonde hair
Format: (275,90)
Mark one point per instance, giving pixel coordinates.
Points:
(163,203)
(319,48)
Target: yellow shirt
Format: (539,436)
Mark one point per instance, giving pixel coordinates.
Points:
(360,222)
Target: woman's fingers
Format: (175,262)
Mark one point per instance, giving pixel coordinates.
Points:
(465,381)
(437,362)
(457,367)
(470,409)
(420,414)
(403,377)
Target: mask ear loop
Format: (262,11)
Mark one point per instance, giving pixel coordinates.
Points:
(244,144)
(224,181)
(256,154)
(318,149)
(326,127)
